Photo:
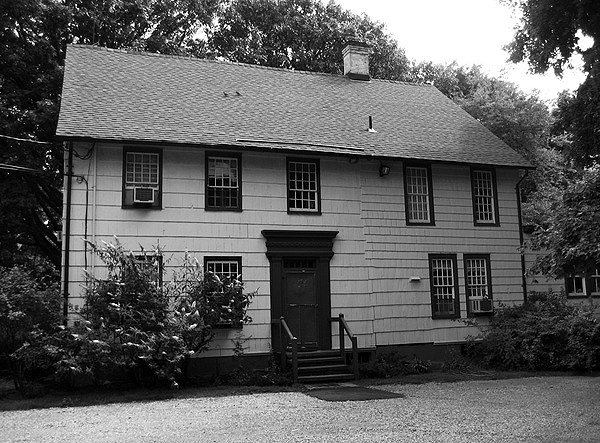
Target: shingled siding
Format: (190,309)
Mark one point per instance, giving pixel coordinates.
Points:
(395,252)
(374,252)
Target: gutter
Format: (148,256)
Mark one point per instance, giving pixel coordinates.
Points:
(67,234)
(521,239)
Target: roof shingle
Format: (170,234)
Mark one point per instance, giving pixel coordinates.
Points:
(139,97)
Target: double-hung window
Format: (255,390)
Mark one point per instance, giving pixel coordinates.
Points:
(223,182)
(224,304)
(303,186)
(142,178)
(418,195)
(478,284)
(444,286)
(485,197)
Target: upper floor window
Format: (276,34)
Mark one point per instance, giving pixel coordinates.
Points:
(478,284)
(303,186)
(418,195)
(223,182)
(142,178)
(485,198)
(444,286)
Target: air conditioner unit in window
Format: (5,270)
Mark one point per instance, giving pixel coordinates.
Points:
(143,195)
(481,305)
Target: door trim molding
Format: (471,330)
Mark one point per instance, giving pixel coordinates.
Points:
(283,244)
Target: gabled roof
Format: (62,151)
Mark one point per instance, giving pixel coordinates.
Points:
(115,95)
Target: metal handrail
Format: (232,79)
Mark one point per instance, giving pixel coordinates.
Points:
(294,342)
(345,329)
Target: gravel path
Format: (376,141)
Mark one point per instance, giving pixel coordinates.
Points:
(544,409)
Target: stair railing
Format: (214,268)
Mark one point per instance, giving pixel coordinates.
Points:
(284,328)
(343,330)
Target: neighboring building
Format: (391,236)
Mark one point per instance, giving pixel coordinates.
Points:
(329,194)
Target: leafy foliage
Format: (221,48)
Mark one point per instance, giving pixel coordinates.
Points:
(571,231)
(546,333)
(547,38)
(393,364)
(28,299)
(134,325)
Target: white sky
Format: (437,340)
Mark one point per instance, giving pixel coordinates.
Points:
(468,31)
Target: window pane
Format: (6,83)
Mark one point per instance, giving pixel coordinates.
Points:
(443,288)
(483,197)
(417,195)
(223,268)
(302,186)
(141,169)
(223,182)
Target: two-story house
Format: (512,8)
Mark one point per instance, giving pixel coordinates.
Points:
(329,194)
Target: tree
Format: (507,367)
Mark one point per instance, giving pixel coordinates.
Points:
(548,37)
(34,34)
(301,34)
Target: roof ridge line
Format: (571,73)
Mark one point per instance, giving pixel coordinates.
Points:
(229,62)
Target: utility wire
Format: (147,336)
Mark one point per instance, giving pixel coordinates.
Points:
(28,141)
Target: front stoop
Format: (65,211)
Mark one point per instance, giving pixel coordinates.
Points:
(322,367)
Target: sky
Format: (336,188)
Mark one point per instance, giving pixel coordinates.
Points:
(466,31)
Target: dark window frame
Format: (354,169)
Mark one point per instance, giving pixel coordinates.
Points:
(586,278)
(452,257)
(488,270)
(158,203)
(317,163)
(427,167)
(238,259)
(496,221)
(236,156)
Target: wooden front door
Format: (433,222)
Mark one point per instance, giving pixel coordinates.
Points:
(300,292)
(301,301)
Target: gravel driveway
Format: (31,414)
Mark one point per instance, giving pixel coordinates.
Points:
(543,409)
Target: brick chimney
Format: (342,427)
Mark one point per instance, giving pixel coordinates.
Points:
(356,59)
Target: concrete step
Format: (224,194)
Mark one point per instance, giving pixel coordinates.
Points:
(325,369)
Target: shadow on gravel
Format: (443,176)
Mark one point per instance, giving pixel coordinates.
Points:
(349,392)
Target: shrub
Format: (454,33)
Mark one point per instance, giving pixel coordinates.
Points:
(546,333)
(27,300)
(134,325)
(393,364)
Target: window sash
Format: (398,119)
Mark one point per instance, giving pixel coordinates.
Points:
(223,268)
(443,286)
(477,280)
(223,185)
(142,169)
(303,186)
(595,282)
(576,285)
(484,197)
(417,195)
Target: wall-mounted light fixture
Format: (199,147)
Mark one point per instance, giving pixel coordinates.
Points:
(414,279)
(383,170)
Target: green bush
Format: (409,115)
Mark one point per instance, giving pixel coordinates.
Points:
(546,333)
(27,300)
(135,326)
(393,364)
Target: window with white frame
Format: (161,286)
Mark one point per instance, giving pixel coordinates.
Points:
(595,282)
(444,286)
(418,196)
(485,200)
(303,188)
(478,285)
(142,178)
(224,267)
(223,182)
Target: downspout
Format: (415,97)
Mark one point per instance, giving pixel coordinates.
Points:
(521,239)
(67,234)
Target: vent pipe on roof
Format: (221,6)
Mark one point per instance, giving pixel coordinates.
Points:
(356,58)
